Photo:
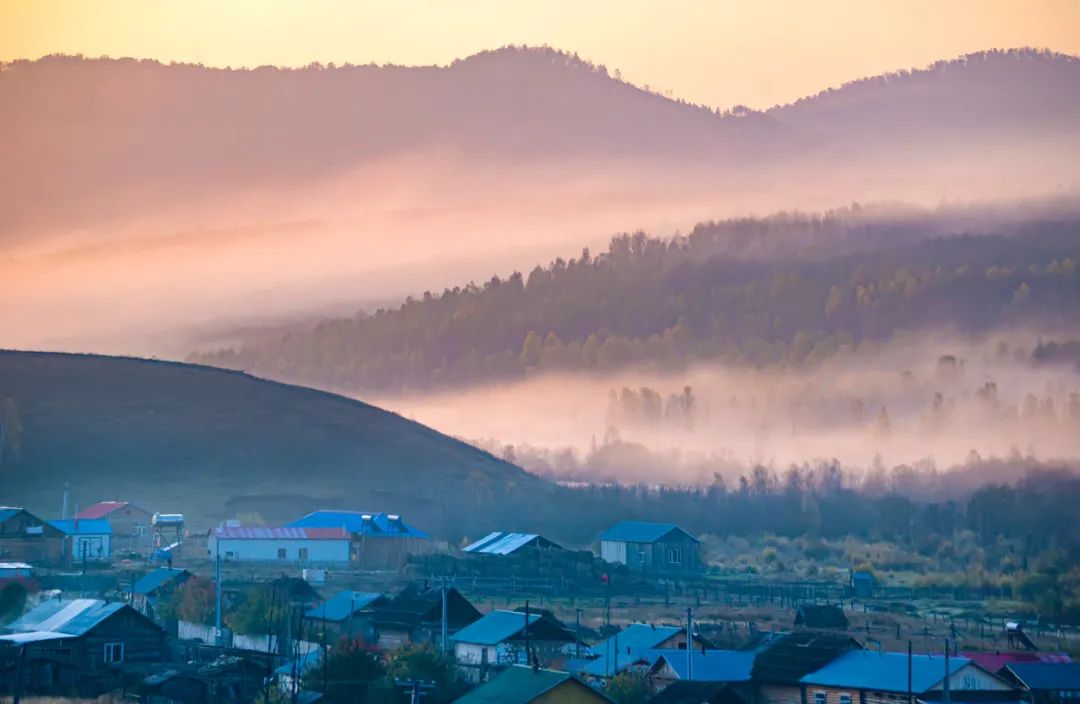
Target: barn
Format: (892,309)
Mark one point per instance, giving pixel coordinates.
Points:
(655,548)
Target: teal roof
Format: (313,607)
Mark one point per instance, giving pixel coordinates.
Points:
(521,685)
(884,672)
(83,526)
(641,532)
(494,627)
(711,665)
(636,636)
(158,578)
(341,605)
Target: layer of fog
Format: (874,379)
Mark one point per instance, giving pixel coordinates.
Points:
(924,401)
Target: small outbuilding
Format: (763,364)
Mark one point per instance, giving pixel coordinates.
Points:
(86,540)
(307,546)
(825,617)
(500,543)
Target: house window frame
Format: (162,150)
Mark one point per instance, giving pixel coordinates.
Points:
(109,651)
(821,697)
(675,555)
(302,553)
(141,529)
(845,698)
(282,553)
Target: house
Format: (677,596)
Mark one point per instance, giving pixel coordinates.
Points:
(347,615)
(728,666)
(499,543)
(227,678)
(378,540)
(821,616)
(864,675)
(528,685)
(783,661)
(1045,682)
(499,639)
(84,636)
(684,692)
(634,647)
(285,545)
(156,585)
(415,616)
(996,661)
(656,548)
(26,538)
(130,524)
(87,540)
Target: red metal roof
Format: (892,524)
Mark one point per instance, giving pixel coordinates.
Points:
(285,533)
(101,509)
(992,662)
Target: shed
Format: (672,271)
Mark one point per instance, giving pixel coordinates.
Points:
(821,616)
(527,685)
(658,548)
(26,538)
(862,584)
(378,540)
(87,540)
(285,544)
(499,543)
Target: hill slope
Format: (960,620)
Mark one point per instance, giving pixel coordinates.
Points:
(206,442)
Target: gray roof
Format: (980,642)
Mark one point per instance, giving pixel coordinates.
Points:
(641,532)
(73,617)
(499,543)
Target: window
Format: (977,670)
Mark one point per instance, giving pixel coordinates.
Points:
(302,554)
(675,556)
(229,553)
(845,699)
(114,653)
(819,697)
(281,553)
(140,529)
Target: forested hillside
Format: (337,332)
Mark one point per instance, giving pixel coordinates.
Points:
(787,290)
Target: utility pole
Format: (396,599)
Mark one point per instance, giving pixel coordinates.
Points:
(67,491)
(577,633)
(945,691)
(909,672)
(528,652)
(690,644)
(19,675)
(445,626)
(217,597)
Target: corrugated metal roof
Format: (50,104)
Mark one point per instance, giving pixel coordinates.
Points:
(993,662)
(494,627)
(884,672)
(370,524)
(1047,675)
(636,637)
(640,532)
(342,604)
(280,533)
(158,578)
(521,685)
(87,526)
(71,616)
(7,512)
(101,509)
(500,543)
(711,665)
(33,637)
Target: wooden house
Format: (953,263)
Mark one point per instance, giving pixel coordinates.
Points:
(26,538)
(415,616)
(499,639)
(346,615)
(131,524)
(870,677)
(783,660)
(654,548)
(84,638)
(1045,682)
(528,685)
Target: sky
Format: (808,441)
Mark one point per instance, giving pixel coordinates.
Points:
(718,53)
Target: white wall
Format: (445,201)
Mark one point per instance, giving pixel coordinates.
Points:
(266,550)
(93,543)
(613,551)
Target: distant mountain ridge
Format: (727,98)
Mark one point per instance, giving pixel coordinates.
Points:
(101,138)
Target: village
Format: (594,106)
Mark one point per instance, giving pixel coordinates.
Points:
(120,602)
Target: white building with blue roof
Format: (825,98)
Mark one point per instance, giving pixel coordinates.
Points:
(499,638)
(378,540)
(87,539)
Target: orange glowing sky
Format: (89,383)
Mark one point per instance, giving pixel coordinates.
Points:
(718,53)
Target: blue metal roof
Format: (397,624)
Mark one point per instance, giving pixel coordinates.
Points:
(499,543)
(385,525)
(711,665)
(158,578)
(640,532)
(494,627)
(635,637)
(884,672)
(302,663)
(7,512)
(69,616)
(1047,675)
(338,607)
(83,526)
